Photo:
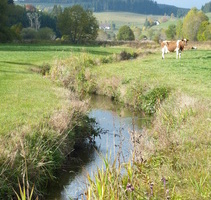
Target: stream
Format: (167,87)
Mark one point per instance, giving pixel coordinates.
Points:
(115,123)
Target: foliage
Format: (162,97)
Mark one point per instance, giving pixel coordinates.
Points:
(171,31)
(79,24)
(16,30)
(206,8)
(45,34)
(137,33)
(149,23)
(47,20)
(126,56)
(28,34)
(125,33)
(150,101)
(102,35)
(204,31)
(17,15)
(179,32)
(10,1)
(4,31)
(45,69)
(56,11)
(192,23)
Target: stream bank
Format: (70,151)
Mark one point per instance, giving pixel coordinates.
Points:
(114,141)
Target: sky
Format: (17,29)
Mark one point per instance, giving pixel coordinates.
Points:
(184,3)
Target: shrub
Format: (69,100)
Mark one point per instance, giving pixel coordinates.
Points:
(45,69)
(152,99)
(28,34)
(126,56)
(46,34)
(125,33)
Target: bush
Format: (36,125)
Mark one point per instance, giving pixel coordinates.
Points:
(65,38)
(126,56)
(28,34)
(125,33)
(152,99)
(46,34)
(45,69)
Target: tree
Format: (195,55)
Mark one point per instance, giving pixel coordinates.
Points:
(46,34)
(4,31)
(17,14)
(202,33)
(125,33)
(179,32)
(57,10)
(28,33)
(102,35)
(10,2)
(171,31)
(137,32)
(207,7)
(192,22)
(79,24)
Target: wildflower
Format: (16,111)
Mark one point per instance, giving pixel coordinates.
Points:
(130,187)
(151,187)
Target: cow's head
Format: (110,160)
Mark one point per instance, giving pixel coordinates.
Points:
(185,41)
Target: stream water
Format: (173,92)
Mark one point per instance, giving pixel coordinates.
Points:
(115,122)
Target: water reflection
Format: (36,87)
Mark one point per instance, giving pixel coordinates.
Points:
(115,123)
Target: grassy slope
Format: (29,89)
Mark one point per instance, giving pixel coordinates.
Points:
(122,18)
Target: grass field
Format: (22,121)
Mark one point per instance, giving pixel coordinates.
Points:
(124,18)
(25,96)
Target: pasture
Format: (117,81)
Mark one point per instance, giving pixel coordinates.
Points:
(124,18)
(25,96)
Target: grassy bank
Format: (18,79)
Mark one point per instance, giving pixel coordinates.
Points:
(38,118)
(172,158)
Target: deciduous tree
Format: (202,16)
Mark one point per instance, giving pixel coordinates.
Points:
(79,24)
(4,31)
(192,22)
(171,31)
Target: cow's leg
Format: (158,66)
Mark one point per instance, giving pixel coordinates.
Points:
(180,54)
(177,53)
(163,52)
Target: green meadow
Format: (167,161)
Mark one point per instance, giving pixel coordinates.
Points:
(177,143)
(26,96)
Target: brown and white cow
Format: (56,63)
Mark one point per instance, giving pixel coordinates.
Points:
(171,46)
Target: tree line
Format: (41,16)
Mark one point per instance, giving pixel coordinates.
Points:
(73,24)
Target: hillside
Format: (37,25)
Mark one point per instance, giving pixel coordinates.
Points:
(135,6)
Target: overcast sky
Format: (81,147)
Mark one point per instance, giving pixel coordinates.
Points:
(184,3)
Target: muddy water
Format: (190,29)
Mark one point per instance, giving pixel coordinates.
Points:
(114,140)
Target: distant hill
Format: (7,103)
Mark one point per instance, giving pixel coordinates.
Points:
(135,6)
